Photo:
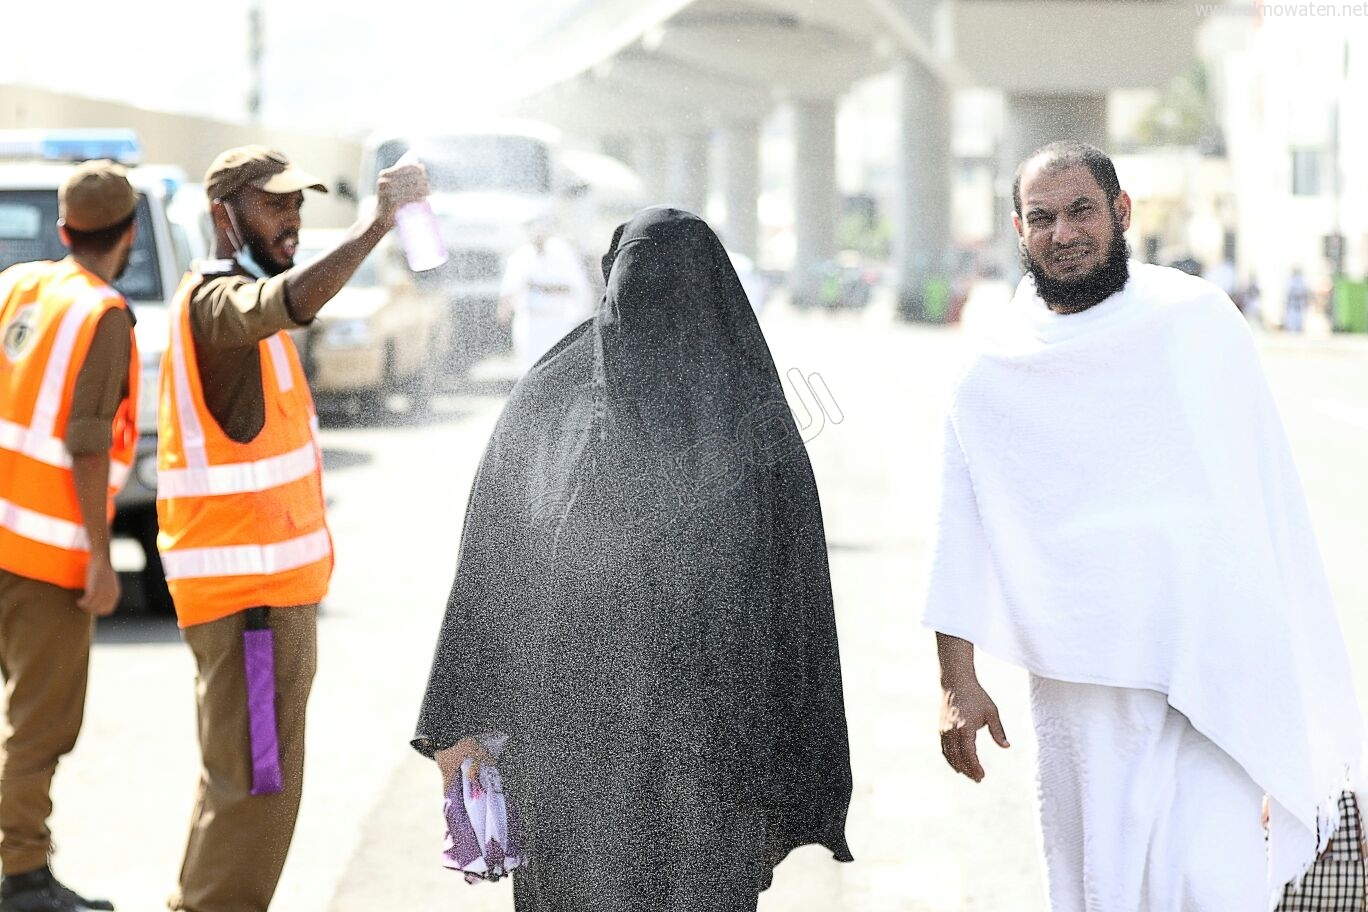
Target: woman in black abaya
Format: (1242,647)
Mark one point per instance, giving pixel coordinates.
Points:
(642,603)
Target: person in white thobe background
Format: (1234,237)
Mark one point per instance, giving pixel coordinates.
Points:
(1296,302)
(545,293)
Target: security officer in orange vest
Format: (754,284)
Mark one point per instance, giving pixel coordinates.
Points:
(68,428)
(240,501)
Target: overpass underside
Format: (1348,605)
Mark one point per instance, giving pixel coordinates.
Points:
(660,82)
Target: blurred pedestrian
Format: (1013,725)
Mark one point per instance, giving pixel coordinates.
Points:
(642,603)
(1296,300)
(1251,304)
(545,293)
(1222,275)
(68,430)
(1120,515)
(240,501)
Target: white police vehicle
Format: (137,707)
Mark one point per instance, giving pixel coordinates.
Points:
(171,232)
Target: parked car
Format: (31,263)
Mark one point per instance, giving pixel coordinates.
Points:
(33,164)
(382,335)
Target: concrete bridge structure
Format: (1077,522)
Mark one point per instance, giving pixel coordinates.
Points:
(659,81)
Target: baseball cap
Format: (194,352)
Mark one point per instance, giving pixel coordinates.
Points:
(96,195)
(260,167)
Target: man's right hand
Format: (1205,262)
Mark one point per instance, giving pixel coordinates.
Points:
(398,186)
(102,589)
(965,708)
(312,284)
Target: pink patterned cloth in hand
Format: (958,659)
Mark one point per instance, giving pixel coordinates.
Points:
(482,838)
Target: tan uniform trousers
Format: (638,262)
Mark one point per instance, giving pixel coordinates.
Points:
(238,841)
(44,656)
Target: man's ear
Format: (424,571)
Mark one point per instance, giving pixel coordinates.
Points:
(1016,223)
(62,233)
(219,213)
(1122,207)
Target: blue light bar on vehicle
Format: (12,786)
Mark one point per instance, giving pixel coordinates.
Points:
(70,145)
(171,177)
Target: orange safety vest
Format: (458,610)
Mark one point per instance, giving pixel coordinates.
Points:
(48,314)
(242,524)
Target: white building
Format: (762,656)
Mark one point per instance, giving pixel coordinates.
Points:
(1296,126)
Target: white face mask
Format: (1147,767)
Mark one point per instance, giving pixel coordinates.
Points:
(242,252)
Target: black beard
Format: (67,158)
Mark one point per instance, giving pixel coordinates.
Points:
(1104,280)
(268,264)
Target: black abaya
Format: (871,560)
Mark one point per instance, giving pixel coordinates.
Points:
(642,602)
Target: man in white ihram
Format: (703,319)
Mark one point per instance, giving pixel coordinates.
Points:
(1121,516)
(545,292)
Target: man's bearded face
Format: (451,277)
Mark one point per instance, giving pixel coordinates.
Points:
(1072,237)
(269,226)
(1092,287)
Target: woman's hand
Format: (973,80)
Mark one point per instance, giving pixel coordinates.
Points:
(449,760)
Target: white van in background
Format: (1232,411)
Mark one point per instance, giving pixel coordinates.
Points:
(171,233)
(488,183)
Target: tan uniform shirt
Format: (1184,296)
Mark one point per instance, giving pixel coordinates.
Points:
(101,385)
(230,315)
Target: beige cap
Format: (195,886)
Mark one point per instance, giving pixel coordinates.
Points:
(260,167)
(96,195)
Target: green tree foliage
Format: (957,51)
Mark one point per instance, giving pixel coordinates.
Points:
(1184,115)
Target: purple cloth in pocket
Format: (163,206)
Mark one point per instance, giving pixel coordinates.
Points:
(258,650)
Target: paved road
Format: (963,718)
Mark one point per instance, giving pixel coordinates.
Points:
(369,832)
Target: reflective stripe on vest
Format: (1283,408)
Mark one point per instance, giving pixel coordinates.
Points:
(55,375)
(280,361)
(239,477)
(45,448)
(247,560)
(192,432)
(47,530)
(52,451)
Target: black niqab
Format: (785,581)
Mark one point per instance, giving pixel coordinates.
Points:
(642,601)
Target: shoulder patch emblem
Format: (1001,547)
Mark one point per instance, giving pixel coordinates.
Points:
(21,332)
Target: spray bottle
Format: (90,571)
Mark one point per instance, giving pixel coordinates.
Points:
(419,233)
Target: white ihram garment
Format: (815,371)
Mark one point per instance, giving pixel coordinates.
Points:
(1125,782)
(1119,507)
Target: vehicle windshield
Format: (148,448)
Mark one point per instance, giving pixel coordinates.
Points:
(28,231)
(456,164)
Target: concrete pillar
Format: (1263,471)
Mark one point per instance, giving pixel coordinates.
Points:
(686,171)
(921,207)
(741,186)
(649,155)
(816,200)
(1033,121)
